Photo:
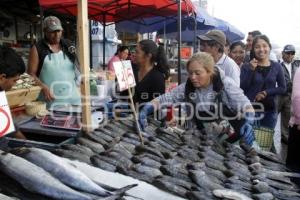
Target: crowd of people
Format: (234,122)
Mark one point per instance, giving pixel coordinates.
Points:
(234,90)
(247,79)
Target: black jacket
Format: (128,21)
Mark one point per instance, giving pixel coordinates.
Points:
(288,79)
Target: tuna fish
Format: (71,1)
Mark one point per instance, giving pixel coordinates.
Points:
(73,155)
(78,148)
(96,147)
(202,180)
(98,162)
(36,179)
(170,186)
(4,197)
(62,170)
(149,171)
(230,194)
(146,161)
(263,196)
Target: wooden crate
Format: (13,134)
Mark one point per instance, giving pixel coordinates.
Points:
(19,97)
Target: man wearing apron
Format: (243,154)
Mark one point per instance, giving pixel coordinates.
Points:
(52,63)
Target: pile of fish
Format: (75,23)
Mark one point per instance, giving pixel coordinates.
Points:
(48,176)
(188,163)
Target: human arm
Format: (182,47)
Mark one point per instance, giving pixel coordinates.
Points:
(235,73)
(246,77)
(239,102)
(33,64)
(166,99)
(281,84)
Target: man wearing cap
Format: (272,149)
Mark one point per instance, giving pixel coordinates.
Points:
(213,42)
(52,63)
(289,66)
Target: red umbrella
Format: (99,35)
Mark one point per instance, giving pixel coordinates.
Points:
(119,10)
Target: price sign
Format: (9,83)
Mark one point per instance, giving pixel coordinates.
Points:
(6,123)
(124,74)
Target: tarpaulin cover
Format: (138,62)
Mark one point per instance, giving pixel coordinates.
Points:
(119,10)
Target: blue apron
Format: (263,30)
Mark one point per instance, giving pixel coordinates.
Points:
(58,73)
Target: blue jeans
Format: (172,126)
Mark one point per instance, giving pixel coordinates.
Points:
(268,120)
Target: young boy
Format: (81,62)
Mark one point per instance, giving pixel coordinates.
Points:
(11,67)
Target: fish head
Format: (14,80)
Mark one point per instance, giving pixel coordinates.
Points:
(20,151)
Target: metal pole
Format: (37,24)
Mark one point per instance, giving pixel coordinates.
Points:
(165,42)
(195,32)
(104,39)
(91,44)
(179,40)
(41,20)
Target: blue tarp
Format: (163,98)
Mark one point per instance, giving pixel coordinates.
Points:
(168,25)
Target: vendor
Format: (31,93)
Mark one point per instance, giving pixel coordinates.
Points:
(151,69)
(52,63)
(121,54)
(151,73)
(11,67)
(209,98)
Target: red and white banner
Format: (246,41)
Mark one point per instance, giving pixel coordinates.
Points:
(6,122)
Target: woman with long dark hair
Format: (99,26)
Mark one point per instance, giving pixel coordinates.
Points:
(153,70)
(262,80)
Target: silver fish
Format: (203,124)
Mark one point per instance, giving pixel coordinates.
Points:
(230,194)
(73,155)
(263,196)
(4,197)
(96,147)
(36,179)
(203,180)
(62,170)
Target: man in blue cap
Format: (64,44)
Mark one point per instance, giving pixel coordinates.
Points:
(289,66)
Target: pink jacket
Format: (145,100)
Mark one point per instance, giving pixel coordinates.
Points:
(110,65)
(295,118)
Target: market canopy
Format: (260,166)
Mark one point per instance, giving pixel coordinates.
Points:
(119,10)
(152,24)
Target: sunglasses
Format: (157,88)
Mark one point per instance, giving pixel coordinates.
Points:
(290,53)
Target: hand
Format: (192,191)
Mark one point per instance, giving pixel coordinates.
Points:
(253,64)
(47,93)
(247,131)
(116,109)
(260,96)
(145,111)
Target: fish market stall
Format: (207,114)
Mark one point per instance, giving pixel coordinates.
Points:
(185,163)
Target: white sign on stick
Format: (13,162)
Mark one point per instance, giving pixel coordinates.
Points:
(124,73)
(6,122)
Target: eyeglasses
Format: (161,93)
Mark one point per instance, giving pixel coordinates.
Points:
(290,53)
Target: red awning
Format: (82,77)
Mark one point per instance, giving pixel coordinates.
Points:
(119,10)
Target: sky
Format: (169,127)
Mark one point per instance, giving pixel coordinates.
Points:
(278,19)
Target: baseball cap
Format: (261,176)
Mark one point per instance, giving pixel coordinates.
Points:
(289,48)
(215,35)
(52,23)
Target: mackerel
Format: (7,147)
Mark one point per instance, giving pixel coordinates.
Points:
(61,170)
(36,179)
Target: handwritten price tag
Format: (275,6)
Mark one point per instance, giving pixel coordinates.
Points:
(124,73)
